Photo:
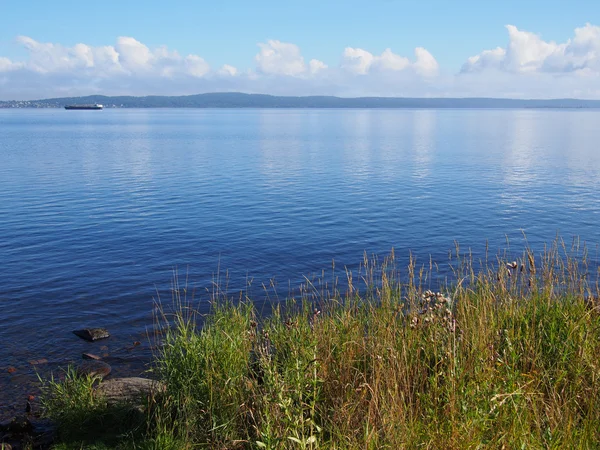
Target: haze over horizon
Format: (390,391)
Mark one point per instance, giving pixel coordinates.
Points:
(349,49)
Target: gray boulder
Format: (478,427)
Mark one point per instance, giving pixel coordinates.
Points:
(133,391)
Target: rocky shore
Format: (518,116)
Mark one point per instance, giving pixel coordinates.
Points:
(26,427)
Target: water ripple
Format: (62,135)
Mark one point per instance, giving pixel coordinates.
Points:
(98,210)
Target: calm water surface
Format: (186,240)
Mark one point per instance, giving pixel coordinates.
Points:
(97,209)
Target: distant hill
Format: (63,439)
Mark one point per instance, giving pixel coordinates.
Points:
(239,100)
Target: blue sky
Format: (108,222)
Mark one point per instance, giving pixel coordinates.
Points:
(230,32)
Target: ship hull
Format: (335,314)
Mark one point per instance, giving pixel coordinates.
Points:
(90,107)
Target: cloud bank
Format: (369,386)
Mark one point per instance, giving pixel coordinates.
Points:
(527,66)
(528,53)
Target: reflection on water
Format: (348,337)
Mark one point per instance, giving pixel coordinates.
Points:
(519,167)
(424,142)
(583,166)
(357,146)
(281,151)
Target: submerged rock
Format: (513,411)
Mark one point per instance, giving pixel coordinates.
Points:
(92,334)
(37,362)
(19,425)
(134,391)
(94,368)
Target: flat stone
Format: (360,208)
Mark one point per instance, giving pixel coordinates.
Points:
(132,390)
(90,356)
(92,334)
(94,368)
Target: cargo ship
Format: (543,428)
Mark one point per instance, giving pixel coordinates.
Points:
(94,106)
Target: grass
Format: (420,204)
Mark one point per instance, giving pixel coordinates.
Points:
(85,420)
(507,356)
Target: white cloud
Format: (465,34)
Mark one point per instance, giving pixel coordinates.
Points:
(425,64)
(196,66)
(526,66)
(357,60)
(128,56)
(133,55)
(52,58)
(46,57)
(280,58)
(315,66)
(228,70)
(390,61)
(362,62)
(7,65)
(527,52)
(486,59)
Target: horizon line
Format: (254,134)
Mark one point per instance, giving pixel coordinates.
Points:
(364,97)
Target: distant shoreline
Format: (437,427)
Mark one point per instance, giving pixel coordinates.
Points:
(244,101)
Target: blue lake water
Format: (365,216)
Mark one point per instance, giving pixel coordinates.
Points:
(98,208)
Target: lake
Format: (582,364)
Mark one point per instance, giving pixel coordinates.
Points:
(98,209)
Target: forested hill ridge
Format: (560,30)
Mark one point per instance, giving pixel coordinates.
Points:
(239,100)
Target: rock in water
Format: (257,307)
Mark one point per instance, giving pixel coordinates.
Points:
(92,334)
(90,356)
(133,391)
(93,369)
(20,424)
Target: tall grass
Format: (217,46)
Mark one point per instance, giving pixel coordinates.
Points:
(507,355)
(84,418)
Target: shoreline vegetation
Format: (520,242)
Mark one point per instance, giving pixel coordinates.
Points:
(506,355)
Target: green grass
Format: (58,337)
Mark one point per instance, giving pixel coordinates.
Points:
(84,419)
(502,358)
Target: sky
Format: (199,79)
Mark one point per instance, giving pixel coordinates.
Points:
(424,48)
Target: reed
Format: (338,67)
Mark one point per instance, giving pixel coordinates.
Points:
(505,355)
